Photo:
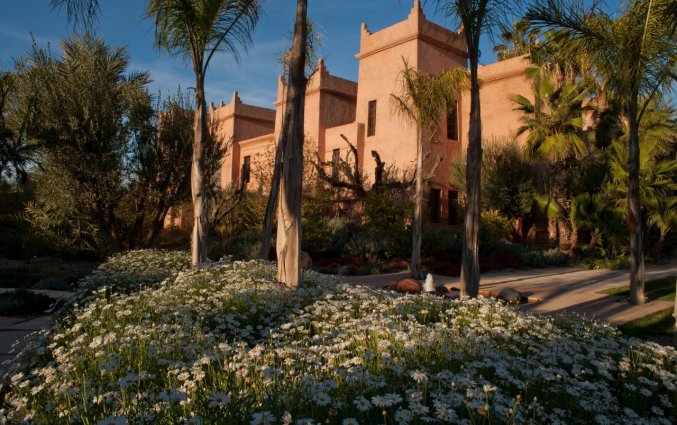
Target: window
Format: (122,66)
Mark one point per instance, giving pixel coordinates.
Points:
(335,158)
(452,122)
(246,169)
(371,119)
(435,195)
(453,207)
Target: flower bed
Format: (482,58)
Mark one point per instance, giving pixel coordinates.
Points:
(226,345)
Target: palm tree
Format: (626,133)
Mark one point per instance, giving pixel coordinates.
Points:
(313,43)
(555,118)
(83,13)
(662,214)
(198,29)
(476,18)
(288,246)
(657,170)
(519,38)
(634,55)
(16,151)
(422,100)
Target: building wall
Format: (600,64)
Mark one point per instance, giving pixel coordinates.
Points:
(237,122)
(498,83)
(336,107)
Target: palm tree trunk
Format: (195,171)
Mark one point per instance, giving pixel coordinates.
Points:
(634,211)
(418,218)
(659,245)
(594,240)
(470,270)
(264,252)
(274,192)
(674,314)
(289,272)
(574,241)
(197,180)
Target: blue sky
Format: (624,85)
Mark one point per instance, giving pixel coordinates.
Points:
(121,22)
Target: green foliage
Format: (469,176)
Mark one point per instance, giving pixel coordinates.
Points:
(365,246)
(111,165)
(385,216)
(53,283)
(17,152)
(441,242)
(242,246)
(59,215)
(657,167)
(553,121)
(494,227)
(316,204)
(520,40)
(604,263)
(508,179)
(534,257)
(23,302)
(246,216)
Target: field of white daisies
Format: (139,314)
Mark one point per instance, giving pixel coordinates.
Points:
(152,342)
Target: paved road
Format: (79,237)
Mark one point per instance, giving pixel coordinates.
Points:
(558,289)
(13,329)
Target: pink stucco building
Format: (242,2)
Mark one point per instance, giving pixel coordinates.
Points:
(363,112)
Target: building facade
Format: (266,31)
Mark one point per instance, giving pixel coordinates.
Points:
(363,111)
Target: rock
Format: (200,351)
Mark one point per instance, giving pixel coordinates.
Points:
(406,286)
(306,261)
(510,295)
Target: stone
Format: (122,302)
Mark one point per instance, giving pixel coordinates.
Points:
(510,295)
(306,261)
(406,286)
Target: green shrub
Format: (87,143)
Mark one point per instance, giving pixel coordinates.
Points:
(23,302)
(245,246)
(385,217)
(366,246)
(493,227)
(440,242)
(618,263)
(53,283)
(16,277)
(535,257)
(341,230)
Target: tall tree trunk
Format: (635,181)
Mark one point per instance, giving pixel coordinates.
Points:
(674,328)
(634,211)
(659,245)
(418,218)
(198,188)
(594,240)
(573,243)
(289,272)
(264,252)
(470,269)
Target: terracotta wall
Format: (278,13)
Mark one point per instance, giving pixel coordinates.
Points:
(499,81)
(336,106)
(237,122)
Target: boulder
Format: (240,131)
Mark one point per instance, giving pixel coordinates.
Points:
(510,295)
(406,286)
(306,261)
